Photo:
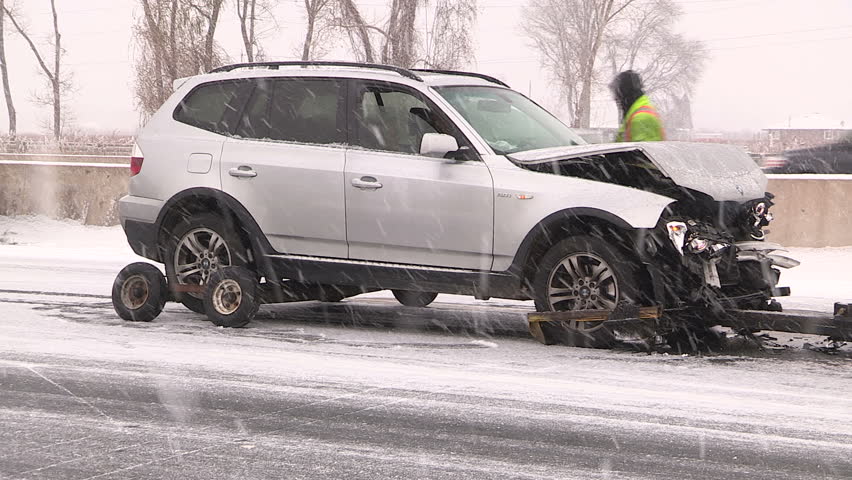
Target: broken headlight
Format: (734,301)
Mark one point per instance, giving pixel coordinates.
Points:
(677,234)
(696,238)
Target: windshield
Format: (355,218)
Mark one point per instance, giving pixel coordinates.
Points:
(507,120)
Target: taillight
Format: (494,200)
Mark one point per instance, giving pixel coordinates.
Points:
(136,161)
(135,165)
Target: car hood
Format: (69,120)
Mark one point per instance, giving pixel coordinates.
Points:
(724,172)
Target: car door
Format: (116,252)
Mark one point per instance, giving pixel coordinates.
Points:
(402,207)
(285,164)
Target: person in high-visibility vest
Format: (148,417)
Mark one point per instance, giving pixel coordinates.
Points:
(640,120)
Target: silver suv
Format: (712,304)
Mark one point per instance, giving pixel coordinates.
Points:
(328,179)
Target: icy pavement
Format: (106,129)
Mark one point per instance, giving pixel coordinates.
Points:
(370,389)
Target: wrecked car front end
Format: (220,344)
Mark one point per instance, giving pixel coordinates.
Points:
(708,247)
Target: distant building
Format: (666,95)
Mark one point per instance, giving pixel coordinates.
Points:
(805,131)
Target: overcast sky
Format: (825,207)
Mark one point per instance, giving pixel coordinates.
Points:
(770,59)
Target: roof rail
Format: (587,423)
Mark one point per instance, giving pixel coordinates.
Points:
(487,78)
(274,66)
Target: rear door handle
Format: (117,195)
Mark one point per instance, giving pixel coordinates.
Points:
(366,183)
(243,171)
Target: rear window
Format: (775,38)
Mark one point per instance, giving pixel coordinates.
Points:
(303,110)
(214,106)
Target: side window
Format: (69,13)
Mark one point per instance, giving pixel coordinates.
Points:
(306,111)
(391,118)
(255,121)
(213,106)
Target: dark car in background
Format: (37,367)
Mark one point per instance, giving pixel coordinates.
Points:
(831,158)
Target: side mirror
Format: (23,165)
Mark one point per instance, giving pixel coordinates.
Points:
(437,145)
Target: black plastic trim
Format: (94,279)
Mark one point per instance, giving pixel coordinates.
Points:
(544,226)
(487,78)
(142,238)
(481,283)
(260,244)
(274,66)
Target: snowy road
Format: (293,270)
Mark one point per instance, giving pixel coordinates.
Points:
(370,389)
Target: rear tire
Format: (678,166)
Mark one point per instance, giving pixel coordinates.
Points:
(584,273)
(411,298)
(195,250)
(231,297)
(139,292)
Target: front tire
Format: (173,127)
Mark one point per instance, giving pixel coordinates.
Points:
(195,250)
(584,273)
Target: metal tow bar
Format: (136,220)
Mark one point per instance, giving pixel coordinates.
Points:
(623,317)
(650,320)
(837,326)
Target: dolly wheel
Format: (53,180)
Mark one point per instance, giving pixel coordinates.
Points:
(411,298)
(231,297)
(139,292)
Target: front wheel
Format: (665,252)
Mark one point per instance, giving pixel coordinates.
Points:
(584,273)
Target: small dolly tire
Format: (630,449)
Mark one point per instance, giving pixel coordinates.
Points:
(411,298)
(231,297)
(139,292)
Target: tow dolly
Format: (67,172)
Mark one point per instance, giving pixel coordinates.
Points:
(648,321)
(140,292)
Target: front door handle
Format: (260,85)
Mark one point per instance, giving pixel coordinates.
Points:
(366,183)
(243,171)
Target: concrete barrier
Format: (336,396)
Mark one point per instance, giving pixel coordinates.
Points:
(810,210)
(87,192)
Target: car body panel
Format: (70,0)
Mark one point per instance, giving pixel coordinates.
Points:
(297,195)
(141,209)
(428,211)
(724,172)
(169,159)
(515,217)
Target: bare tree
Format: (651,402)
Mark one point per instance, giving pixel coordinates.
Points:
(349,18)
(449,43)
(58,84)
(400,40)
(209,11)
(253,14)
(170,34)
(569,36)
(319,18)
(4,72)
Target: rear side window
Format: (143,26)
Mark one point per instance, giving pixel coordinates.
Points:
(214,106)
(303,110)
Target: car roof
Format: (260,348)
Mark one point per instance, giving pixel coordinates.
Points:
(415,78)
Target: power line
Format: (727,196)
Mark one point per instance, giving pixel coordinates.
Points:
(788,32)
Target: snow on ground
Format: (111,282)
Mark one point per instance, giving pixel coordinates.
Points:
(46,245)
(761,406)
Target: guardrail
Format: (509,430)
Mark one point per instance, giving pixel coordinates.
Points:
(810,210)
